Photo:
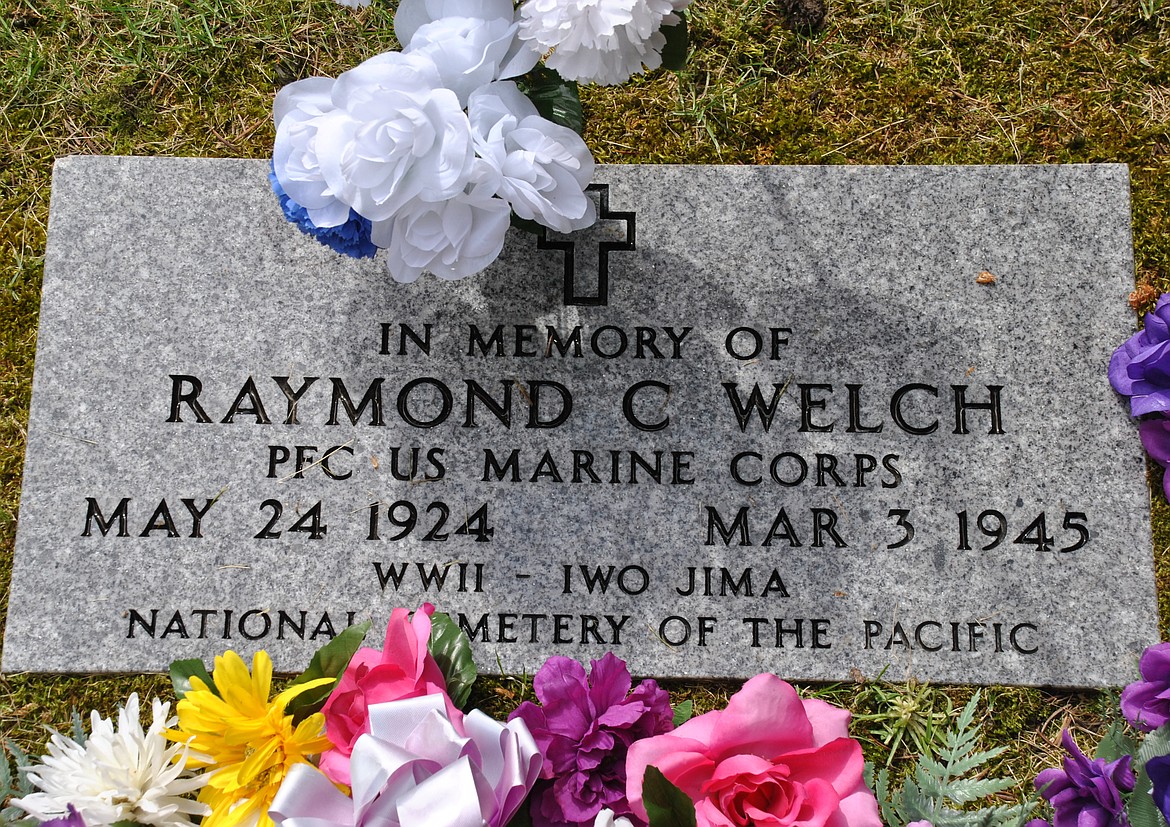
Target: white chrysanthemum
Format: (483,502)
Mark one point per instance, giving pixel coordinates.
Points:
(599,41)
(121,774)
(540,168)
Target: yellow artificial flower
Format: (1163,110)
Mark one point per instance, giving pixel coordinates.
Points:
(246,741)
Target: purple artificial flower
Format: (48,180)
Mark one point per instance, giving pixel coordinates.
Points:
(584,728)
(1158,769)
(1155,434)
(1086,793)
(1146,703)
(1140,368)
(72,818)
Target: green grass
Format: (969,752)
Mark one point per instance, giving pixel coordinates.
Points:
(884,82)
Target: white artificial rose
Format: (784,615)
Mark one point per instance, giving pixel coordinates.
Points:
(599,41)
(540,168)
(472,42)
(454,238)
(412,15)
(354,4)
(396,136)
(299,110)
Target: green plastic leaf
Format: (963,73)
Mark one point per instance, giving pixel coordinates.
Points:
(14,785)
(954,775)
(328,662)
(674,53)
(1140,806)
(1155,743)
(78,727)
(451,649)
(6,778)
(183,670)
(555,98)
(665,803)
(332,658)
(1115,744)
(1141,809)
(683,712)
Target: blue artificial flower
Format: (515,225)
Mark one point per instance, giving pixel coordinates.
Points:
(351,238)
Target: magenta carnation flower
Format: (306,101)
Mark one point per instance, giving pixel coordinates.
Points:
(1146,703)
(1140,368)
(584,728)
(1086,793)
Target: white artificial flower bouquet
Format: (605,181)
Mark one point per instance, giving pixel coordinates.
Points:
(431,153)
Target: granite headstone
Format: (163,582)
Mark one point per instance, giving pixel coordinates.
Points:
(820,421)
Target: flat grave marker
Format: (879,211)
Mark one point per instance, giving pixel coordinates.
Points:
(758,419)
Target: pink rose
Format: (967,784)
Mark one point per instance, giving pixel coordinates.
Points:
(769,758)
(403,669)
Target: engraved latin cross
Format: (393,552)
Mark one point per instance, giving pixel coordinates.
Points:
(586,252)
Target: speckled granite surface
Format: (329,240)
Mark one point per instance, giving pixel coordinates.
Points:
(592,477)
